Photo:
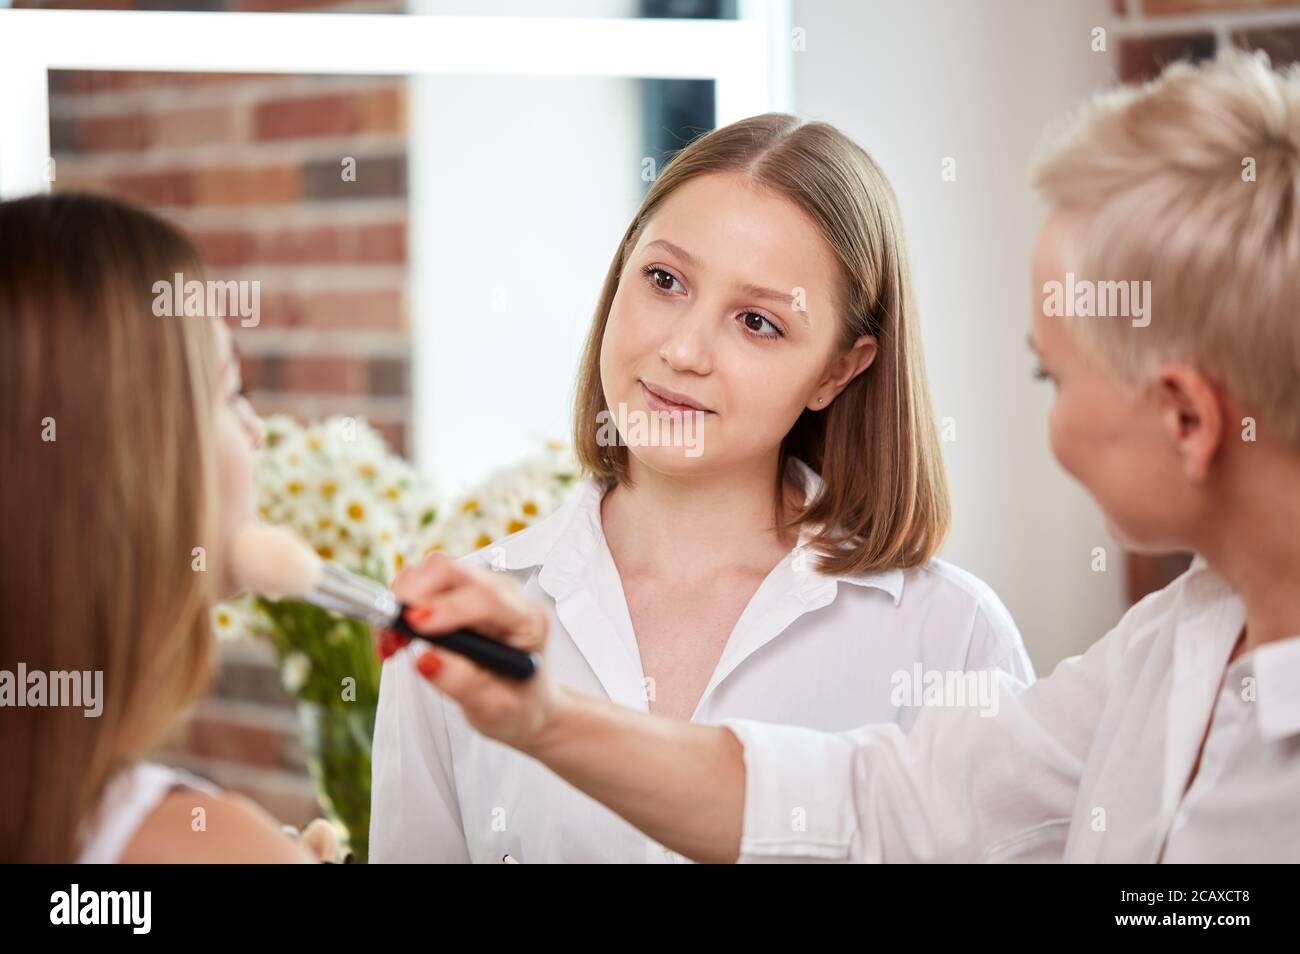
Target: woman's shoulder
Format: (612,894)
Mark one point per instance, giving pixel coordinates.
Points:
(939,579)
(192,826)
(193,822)
(946,592)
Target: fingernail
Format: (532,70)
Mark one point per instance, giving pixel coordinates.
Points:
(387,644)
(415,615)
(428,664)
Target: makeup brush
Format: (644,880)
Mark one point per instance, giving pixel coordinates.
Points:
(274,562)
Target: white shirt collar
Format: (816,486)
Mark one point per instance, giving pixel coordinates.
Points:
(1277,678)
(563,543)
(1274,666)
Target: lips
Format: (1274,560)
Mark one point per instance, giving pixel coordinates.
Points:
(665,400)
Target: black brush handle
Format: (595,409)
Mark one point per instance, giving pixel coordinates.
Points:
(487,652)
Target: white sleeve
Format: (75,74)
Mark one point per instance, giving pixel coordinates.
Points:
(995,643)
(414,810)
(960,786)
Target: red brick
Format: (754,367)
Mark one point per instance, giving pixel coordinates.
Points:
(360,309)
(173,187)
(241,185)
(380,242)
(388,377)
(333,114)
(290,246)
(375,176)
(194,127)
(227,248)
(384,242)
(256,372)
(250,742)
(99,133)
(342,374)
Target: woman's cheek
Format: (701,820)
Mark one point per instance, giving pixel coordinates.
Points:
(234,472)
(1063,436)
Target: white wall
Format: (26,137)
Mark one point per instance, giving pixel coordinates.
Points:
(526,185)
(520,189)
(914,81)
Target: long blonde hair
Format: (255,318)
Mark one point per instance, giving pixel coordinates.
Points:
(106,448)
(884,501)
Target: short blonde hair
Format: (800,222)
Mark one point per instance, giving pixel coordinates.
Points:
(1192,182)
(884,502)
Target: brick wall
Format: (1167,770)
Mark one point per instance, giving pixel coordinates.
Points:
(1153,33)
(253,168)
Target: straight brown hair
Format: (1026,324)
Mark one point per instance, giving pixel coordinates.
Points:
(106,450)
(884,500)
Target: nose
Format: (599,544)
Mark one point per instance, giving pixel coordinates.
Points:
(689,344)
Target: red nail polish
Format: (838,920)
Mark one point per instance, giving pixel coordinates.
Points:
(415,615)
(387,644)
(428,664)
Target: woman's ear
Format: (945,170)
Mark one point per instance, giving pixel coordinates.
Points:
(844,369)
(1192,415)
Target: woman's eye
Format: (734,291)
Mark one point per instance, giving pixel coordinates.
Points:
(1040,374)
(757,330)
(660,279)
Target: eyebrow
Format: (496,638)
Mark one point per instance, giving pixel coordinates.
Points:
(753,291)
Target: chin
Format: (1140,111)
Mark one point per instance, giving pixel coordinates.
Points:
(669,460)
(1143,541)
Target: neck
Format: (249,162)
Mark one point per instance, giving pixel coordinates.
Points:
(1256,547)
(672,526)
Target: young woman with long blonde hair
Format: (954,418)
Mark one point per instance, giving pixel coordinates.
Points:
(126,449)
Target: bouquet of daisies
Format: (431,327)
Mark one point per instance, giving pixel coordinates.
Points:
(336,485)
(506,502)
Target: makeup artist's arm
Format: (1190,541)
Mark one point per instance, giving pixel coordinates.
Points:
(681,784)
(963,785)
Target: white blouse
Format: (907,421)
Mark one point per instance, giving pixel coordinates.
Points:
(807,650)
(1089,764)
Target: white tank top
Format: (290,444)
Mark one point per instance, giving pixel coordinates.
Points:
(128,799)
